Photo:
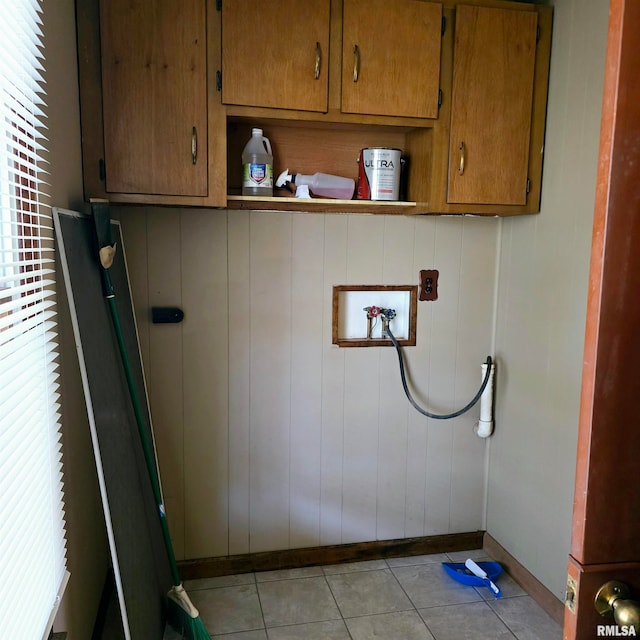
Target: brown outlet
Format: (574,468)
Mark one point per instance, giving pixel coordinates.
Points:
(428,284)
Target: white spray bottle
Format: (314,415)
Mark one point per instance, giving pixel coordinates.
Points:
(322,185)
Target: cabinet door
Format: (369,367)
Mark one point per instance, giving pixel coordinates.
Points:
(391,57)
(154,96)
(493,74)
(273,57)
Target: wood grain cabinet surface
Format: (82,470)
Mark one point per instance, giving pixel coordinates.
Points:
(151,131)
(271,58)
(459,86)
(391,57)
(493,77)
(154,96)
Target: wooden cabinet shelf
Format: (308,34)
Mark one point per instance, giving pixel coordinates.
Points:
(320,205)
(310,147)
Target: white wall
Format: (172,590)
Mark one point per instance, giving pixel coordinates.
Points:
(269,436)
(86,539)
(543,281)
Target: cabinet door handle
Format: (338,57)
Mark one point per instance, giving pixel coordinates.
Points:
(461,165)
(356,62)
(316,74)
(194,145)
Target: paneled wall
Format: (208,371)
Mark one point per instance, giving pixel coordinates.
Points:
(268,436)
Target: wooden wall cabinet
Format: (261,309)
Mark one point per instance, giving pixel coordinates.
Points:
(493,71)
(391,57)
(460,87)
(390,62)
(492,120)
(151,132)
(155,55)
(273,59)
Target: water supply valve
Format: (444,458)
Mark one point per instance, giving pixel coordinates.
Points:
(387,316)
(372,317)
(373,311)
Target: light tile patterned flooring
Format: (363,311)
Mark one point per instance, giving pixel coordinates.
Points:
(397,599)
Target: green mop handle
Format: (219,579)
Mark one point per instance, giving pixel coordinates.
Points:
(144,438)
(149,458)
(102,223)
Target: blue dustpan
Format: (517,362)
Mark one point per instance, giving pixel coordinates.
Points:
(460,572)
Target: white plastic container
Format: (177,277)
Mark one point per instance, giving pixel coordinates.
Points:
(323,185)
(257,166)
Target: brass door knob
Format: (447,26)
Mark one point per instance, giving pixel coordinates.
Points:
(613,598)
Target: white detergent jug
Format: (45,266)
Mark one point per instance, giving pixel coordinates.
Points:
(257,166)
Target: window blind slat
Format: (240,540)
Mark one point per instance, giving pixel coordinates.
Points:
(23,141)
(16,477)
(14,376)
(23,320)
(21,343)
(16,413)
(27,292)
(20,182)
(32,536)
(36,269)
(32,122)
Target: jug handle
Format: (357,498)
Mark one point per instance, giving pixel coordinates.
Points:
(267,144)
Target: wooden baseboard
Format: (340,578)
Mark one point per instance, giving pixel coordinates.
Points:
(545,598)
(314,556)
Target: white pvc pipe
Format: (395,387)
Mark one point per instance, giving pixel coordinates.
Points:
(484,427)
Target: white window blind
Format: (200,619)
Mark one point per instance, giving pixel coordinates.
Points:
(32,535)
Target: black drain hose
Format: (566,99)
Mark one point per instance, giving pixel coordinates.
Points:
(424,412)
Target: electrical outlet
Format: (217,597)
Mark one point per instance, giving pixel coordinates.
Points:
(429,284)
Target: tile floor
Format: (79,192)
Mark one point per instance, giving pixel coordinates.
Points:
(397,599)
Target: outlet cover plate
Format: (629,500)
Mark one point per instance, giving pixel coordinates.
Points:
(429,284)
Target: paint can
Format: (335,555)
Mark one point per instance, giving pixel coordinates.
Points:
(379,173)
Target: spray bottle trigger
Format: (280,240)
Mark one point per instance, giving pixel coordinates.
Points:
(283,178)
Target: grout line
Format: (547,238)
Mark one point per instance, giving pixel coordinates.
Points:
(504,622)
(264,622)
(404,591)
(335,601)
